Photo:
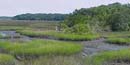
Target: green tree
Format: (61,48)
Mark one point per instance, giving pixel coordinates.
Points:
(113,17)
(119,22)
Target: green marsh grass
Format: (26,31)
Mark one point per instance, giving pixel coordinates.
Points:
(54,60)
(120,41)
(109,56)
(59,35)
(22,24)
(6,59)
(41,48)
(115,34)
(11,28)
(1,36)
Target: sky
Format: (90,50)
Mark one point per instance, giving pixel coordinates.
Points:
(14,7)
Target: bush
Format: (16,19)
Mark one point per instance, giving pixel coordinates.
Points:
(80,29)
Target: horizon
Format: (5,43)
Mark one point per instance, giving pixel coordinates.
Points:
(13,7)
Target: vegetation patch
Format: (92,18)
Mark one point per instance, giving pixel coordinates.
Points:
(109,56)
(24,24)
(59,35)
(112,17)
(115,34)
(41,48)
(11,28)
(120,41)
(54,60)
(1,36)
(6,59)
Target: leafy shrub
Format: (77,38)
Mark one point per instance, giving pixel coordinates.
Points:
(80,29)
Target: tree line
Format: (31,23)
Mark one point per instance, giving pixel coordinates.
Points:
(112,17)
(40,16)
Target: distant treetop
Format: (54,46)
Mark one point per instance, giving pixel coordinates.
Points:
(40,16)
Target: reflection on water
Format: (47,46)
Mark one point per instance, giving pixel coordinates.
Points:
(2,34)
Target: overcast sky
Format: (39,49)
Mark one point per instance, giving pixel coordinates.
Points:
(14,7)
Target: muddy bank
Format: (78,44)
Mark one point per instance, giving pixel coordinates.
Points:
(97,46)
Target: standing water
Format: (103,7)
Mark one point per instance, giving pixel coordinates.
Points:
(12,35)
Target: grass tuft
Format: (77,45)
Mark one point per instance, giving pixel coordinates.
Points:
(41,48)
(6,59)
(109,56)
(59,35)
(115,34)
(120,41)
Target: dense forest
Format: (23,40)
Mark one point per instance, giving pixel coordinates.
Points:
(112,17)
(40,16)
